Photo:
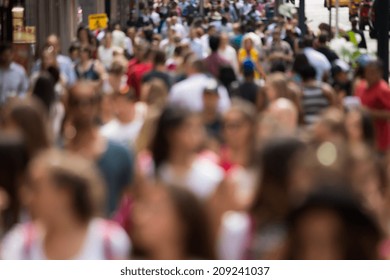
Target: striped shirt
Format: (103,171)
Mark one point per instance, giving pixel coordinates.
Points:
(314,102)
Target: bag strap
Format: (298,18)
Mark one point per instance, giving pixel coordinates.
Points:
(29,238)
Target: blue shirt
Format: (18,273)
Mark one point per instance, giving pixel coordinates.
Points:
(13,82)
(66,68)
(116,166)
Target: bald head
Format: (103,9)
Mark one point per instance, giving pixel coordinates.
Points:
(285,113)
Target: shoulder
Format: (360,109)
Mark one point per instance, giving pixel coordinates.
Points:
(15,241)
(113,236)
(17,68)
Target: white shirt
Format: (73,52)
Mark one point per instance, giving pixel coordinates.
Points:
(101,237)
(189,93)
(202,178)
(118,39)
(318,61)
(126,134)
(106,56)
(13,82)
(230,55)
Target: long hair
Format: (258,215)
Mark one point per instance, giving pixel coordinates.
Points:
(170,120)
(44,90)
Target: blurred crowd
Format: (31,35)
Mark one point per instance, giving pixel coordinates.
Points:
(228,135)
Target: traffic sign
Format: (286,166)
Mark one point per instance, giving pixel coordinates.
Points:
(97,21)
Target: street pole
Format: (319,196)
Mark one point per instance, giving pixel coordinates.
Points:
(337,18)
(302,17)
(330,20)
(382,28)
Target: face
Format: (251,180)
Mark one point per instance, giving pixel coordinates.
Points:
(353,123)
(276,36)
(123,106)
(237,130)
(83,105)
(154,213)
(84,55)
(372,75)
(6,57)
(48,59)
(44,199)
(83,35)
(248,44)
(190,135)
(108,40)
(271,92)
(319,235)
(53,42)
(210,101)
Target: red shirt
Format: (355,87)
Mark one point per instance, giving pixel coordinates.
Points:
(377,97)
(135,72)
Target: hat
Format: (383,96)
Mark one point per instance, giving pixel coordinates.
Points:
(211,86)
(248,66)
(340,66)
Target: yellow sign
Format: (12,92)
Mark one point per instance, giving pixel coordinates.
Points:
(97,21)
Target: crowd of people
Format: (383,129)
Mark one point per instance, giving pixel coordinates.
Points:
(231,135)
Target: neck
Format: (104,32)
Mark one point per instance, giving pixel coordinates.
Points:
(64,225)
(181,158)
(84,136)
(159,68)
(373,83)
(168,251)
(209,115)
(239,155)
(125,119)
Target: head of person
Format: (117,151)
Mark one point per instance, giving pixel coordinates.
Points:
(211,96)
(276,35)
(61,186)
(276,157)
(285,113)
(83,105)
(195,66)
(248,43)
(83,35)
(54,41)
(332,225)
(124,104)
(239,125)
(156,94)
(373,72)
(299,63)
(108,39)
(159,58)
(214,43)
(248,69)
(276,86)
(28,118)
(323,39)
(74,51)
(330,127)
(178,218)
(354,23)
(224,40)
(6,54)
(177,128)
(131,32)
(85,53)
(308,41)
(308,73)
(48,58)
(44,90)
(212,30)
(360,128)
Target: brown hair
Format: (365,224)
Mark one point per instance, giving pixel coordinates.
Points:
(79,176)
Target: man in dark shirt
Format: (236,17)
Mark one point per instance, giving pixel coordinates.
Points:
(214,62)
(248,89)
(324,49)
(159,70)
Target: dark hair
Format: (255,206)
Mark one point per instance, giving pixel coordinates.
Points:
(159,58)
(278,66)
(377,64)
(214,42)
(308,41)
(361,234)
(86,49)
(44,90)
(5,46)
(275,159)
(171,119)
(75,46)
(198,242)
(79,176)
(300,62)
(14,159)
(84,28)
(323,38)
(28,115)
(308,73)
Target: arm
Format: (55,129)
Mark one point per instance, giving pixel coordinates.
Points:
(329,93)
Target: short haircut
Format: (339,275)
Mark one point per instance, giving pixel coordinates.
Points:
(377,64)
(159,58)
(5,46)
(323,38)
(308,41)
(308,73)
(214,42)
